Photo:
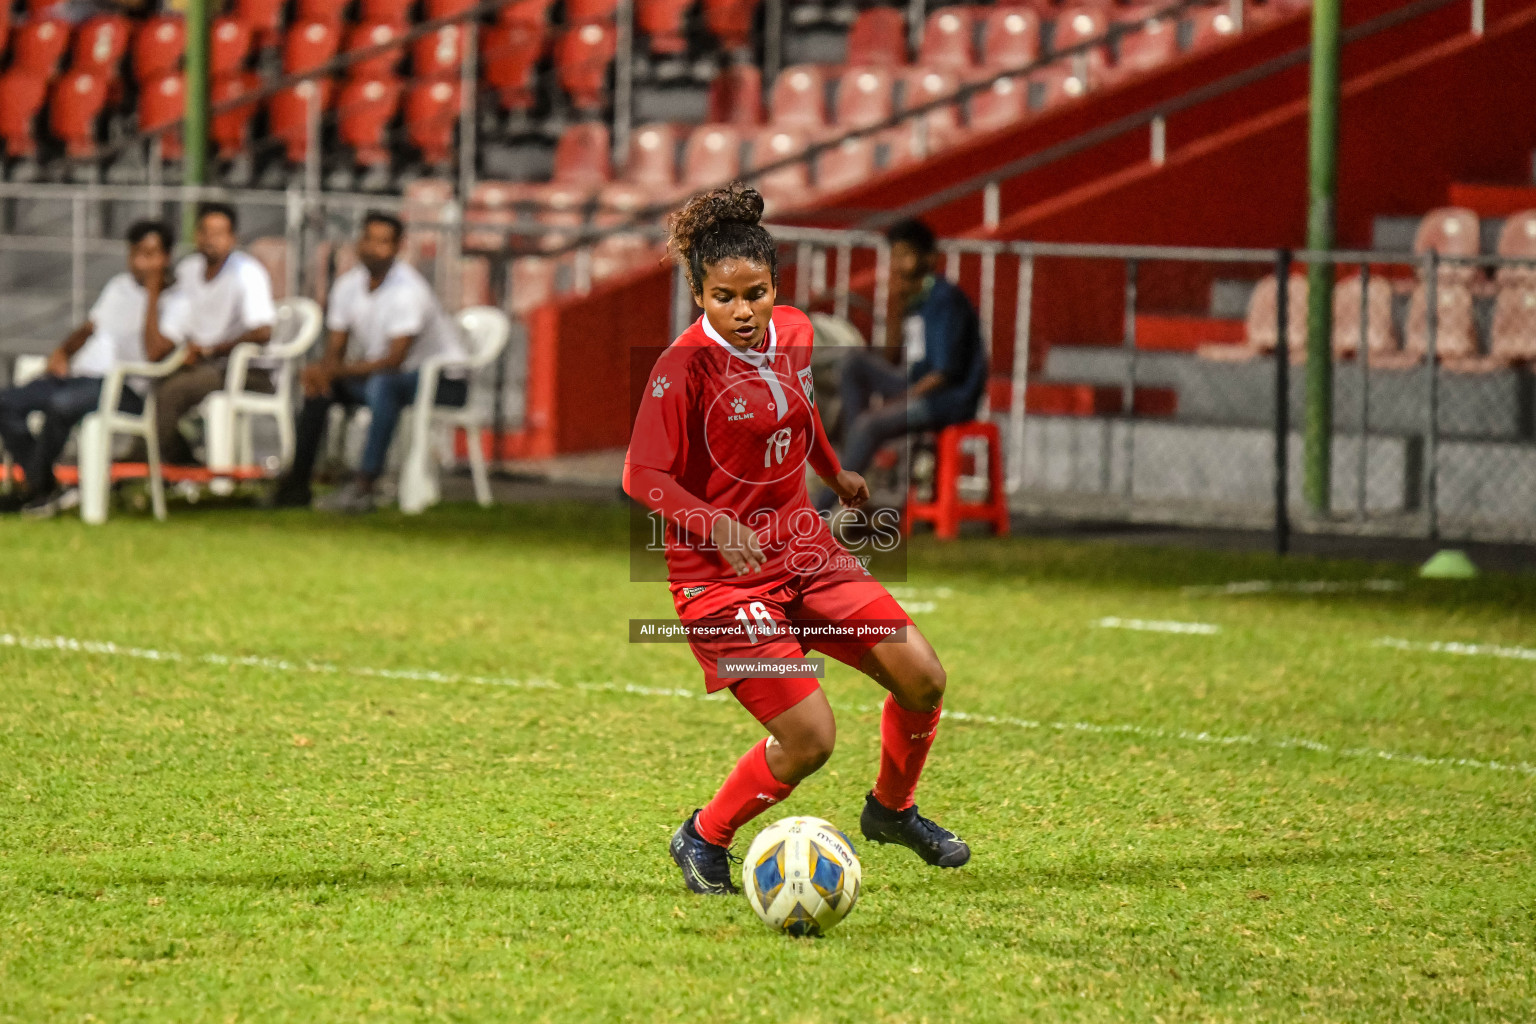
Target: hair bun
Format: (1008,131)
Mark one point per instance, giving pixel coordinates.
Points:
(716,218)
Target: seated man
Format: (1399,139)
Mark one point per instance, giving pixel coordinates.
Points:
(140,317)
(384,322)
(229,301)
(946,363)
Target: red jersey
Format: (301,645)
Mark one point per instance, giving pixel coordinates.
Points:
(734,428)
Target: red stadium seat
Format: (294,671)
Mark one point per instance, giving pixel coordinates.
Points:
(530,283)
(662,23)
(328,11)
(736,96)
(1153,45)
(1381,335)
(1005,103)
(22,94)
(653,157)
(789,185)
(589,12)
(1078,24)
(230,129)
(878,36)
(941,126)
(533,13)
(1455,330)
(582,156)
(711,157)
(864,97)
(1061,82)
(37,45)
(1209,26)
(229,44)
(287,113)
(948,40)
(561,205)
(1517,241)
(162,102)
(800,98)
(622,253)
(1010,38)
(386,12)
(158,46)
(5,26)
(73,106)
(1450,231)
(431,112)
(1512,336)
(434,9)
(730,21)
(509,57)
(849,163)
(364,110)
(492,204)
(362,37)
(262,17)
(309,45)
(439,55)
(582,57)
(619,202)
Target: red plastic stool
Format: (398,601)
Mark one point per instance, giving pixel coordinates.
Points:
(946,511)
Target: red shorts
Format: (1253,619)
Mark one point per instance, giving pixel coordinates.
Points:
(801,599)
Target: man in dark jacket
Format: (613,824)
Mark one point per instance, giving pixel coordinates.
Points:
(945,365)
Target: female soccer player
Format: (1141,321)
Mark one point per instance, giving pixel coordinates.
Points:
(726,425)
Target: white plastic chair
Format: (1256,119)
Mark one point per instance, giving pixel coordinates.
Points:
(485,331)
(24,371)
(99,428)
(227,414)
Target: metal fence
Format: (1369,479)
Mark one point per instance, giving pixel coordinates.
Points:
(1131,382)
(1159,384)
(60,244)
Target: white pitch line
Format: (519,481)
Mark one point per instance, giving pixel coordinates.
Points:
(70,645)
(1158,626)
(1466,650)
(1244,588)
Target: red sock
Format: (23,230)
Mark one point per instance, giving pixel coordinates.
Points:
(905,737)
(749,790)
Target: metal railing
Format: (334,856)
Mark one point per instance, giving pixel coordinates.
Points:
(1432,434)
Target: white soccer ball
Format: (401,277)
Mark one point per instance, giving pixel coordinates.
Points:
(802,876)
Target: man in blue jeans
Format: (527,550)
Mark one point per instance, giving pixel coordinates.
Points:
(384,322)
(139,317)
(945,362)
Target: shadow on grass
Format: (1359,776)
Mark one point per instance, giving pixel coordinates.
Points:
(360,877)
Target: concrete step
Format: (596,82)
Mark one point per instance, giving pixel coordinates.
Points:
(1471,405)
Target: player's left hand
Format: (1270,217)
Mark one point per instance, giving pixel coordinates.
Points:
(849,487)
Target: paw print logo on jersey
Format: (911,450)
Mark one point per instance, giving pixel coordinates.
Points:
(738,405)
(659,386)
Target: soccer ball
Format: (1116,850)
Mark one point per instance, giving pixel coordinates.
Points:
(801,876)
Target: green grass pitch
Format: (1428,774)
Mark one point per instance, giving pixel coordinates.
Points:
(305,787)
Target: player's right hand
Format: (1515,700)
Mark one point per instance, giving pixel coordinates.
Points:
(739,545)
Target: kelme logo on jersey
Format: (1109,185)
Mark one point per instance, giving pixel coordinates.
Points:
(808,384)
(659,386)
(738,410)
(693,591)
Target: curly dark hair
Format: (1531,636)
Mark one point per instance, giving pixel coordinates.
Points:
(723,223)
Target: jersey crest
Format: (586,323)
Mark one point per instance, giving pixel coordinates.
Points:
(808,384)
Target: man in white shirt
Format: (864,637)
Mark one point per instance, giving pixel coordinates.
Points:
(229,296)
(384,322)
(140,317)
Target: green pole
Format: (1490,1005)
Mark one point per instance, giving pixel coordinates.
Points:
(195,130)
(1322,191)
